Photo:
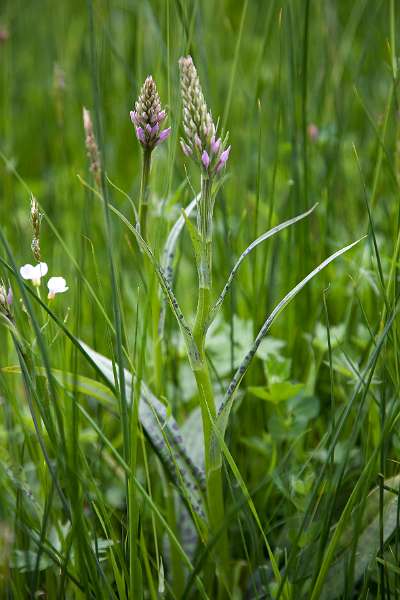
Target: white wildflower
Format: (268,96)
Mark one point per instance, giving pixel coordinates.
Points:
(56,285)
(34,273)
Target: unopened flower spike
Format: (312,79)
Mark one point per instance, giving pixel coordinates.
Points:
(202,142)
(148,116)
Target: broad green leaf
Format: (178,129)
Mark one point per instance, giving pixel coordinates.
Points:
(367,544)
(337,333)
(164,434)
(277,368)
(160,427)
(79,383)
(277,392)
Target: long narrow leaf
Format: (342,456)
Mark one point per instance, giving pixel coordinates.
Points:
(249,248)
(166,287)
(169,255)
(172,240)
(367,545)
(163,432)
(227,402)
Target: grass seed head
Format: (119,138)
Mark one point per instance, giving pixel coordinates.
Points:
(93,152)
(6,299)
(36,219)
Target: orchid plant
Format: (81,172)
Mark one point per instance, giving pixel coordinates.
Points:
(209,150)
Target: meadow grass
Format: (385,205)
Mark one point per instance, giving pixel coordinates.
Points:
(237,439)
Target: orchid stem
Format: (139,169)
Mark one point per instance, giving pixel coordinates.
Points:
(215,499)
(144,192)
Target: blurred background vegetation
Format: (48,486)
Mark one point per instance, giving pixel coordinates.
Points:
(308,92)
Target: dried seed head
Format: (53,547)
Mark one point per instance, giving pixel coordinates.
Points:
(36,216)
(148,116)
(201,142)
(36,219)
(91,147)
(3,294)
(6,298)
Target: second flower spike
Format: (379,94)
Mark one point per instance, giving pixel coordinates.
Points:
(148,116)
(202,142)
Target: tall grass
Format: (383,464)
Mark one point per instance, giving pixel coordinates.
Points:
(267,465)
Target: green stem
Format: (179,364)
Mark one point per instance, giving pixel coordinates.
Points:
(144,192)
(150,278)
(215,498)
(157,343)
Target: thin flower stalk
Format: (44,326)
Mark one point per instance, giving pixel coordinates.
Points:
(147,117)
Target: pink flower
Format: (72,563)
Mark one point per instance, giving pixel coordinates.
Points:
(140,135)
(313,132)
(134,118)
(185,148)
(205,159)
(163,135)
(215,144)
(197,141)
(222,159)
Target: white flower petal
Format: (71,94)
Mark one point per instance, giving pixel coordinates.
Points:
(41,270)
(34,273)
(27,272)
(57,285)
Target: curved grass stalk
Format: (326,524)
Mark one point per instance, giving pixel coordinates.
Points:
(254,244)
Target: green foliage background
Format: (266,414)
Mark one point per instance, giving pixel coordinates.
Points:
(269,70)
